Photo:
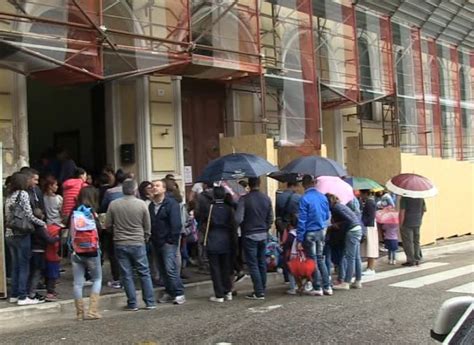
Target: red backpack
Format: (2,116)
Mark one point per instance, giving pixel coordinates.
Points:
(84,237)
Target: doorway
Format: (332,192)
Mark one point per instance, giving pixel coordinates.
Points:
(203,111)
(70,118)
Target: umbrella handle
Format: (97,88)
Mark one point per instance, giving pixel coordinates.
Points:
(207,225)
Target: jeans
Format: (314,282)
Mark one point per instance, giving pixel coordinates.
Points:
(131,257)
(255,256)
(351,259)
(221,271)
(168,267)
(292,281)
(392,255)
(79,266)
(313,245)
(20,253)
(37,268)
(411,243)
(110,250)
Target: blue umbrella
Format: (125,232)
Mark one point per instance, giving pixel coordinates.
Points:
(236,166)
(315,166)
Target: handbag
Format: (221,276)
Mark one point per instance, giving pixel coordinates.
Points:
(18,221)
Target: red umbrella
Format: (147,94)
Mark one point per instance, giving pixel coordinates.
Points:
(412,186)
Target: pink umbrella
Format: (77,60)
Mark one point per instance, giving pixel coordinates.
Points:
(335,185)
(412,186)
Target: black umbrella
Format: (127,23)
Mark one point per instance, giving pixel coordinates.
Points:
(315,166)
(283,176)
(235,166)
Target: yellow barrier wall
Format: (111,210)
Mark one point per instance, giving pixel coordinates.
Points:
(451,212)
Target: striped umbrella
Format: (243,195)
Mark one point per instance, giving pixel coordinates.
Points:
(412,186)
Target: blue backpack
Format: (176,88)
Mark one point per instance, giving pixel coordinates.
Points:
(273,253)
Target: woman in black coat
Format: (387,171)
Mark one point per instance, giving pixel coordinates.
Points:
(219,241)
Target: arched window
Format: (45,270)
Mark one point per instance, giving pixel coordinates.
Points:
(365,72)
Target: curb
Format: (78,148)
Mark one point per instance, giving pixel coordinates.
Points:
(25,315)
(435,251)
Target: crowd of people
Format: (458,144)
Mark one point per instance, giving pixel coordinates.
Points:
(148,231)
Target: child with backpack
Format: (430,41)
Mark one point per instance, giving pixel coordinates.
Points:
(85,252)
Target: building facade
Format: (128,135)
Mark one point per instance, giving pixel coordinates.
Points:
(380,86)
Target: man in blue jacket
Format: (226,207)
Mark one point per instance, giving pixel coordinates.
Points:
(312,222)
(255,216)
(165,231)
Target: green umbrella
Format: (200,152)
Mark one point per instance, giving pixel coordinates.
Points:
(359,183)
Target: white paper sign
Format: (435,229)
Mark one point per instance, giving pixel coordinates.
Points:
(188,174)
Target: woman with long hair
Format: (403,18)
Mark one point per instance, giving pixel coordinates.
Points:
(19,243)
(87,260)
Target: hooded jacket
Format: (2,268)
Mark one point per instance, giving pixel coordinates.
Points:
(71,189)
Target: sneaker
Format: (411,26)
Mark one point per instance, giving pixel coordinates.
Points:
(39,297)
(13,300)
(308,286)
(114,284)
(130,308)
(394,262)
(313,292)
(408,264)
(151,307)
(240,276)
(291,292)
(216,299)
(342,286)
(368,272)
(228,296)
(328,292)
(179,300)
(166,298)
(28,301)
(356,285)
(383,250)
(51,297)
(255,297)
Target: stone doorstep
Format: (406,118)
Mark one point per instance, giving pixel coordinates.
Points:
(114,301)
(27,314)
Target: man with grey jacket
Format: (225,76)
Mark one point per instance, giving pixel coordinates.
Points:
(129,219)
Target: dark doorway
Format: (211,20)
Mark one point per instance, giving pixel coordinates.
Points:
(203,108)
(71,117)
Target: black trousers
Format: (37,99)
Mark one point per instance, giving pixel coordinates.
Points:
(221,273)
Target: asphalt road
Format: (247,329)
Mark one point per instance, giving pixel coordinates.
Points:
(377,314)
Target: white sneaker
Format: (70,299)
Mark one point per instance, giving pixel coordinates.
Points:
(308,286)
(216,299)
(228,296)
(356,285)
(179,300)
(368,272)
(13,300)
(165,298)
(314,292)
(291,292)
(342,286)
(28,301)
(328,292)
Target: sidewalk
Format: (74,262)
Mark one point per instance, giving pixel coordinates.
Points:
(199,285)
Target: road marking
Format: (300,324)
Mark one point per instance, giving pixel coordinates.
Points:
(401,271)
(466,288)
(265,309)
(435,278)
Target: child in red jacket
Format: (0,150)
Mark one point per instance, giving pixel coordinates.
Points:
(52,263)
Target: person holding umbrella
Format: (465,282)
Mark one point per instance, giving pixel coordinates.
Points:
(410,219)
(313,219)
(414,189)
(255,216)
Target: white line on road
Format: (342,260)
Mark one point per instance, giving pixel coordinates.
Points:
(435,278)
(466,288)
(401,271)
(265,309)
